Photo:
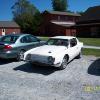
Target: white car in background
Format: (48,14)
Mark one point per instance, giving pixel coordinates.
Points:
(57,51)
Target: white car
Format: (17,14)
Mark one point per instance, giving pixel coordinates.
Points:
(57,51)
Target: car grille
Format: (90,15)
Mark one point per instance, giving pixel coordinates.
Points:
(39,58)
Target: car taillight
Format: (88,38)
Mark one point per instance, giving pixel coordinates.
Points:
(7,47)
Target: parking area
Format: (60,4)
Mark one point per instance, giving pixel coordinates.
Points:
(22,81)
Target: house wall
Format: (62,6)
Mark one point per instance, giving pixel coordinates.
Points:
(10,30)
(83,31)
(48,17)
(57,30)
(48,29)
(88,31)
(0,31)
(70,32)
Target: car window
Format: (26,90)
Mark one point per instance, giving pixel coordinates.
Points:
(60,42)
(29,39)
(73,42)
(9,39)
(25,39)
(32,39)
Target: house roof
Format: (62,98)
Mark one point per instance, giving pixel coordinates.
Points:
(62,23)
(7,24)
(88,24)
(62,13)
(62,37)
(92,13)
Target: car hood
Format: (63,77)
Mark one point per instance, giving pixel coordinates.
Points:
(47,50)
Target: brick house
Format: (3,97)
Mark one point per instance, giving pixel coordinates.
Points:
(89,23)
(58,23)
(7,27)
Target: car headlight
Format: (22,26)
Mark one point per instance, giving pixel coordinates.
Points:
(51,59)
(28,57)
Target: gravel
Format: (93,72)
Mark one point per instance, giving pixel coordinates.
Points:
(22,81)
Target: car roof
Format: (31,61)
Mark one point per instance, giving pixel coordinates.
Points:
(63,37)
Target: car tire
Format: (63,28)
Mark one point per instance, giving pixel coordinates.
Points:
(64,63)
(20,55)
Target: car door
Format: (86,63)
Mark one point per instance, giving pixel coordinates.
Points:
(33,41)
(73,48)
(28,42)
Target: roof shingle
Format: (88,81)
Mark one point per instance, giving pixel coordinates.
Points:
(92,13)
(7,24)
(63,13)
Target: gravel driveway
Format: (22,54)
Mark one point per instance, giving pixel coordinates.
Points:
(79,81)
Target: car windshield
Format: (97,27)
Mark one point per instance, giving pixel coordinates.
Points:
(9,39)
(58,42)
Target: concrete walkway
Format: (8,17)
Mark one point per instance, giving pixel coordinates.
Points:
(91,47)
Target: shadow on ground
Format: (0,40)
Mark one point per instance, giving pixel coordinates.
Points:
(6,61)
(94,68)
(36,69)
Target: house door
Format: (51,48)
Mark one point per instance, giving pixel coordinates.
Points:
(3,31)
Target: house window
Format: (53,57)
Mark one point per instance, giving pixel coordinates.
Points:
(62,18)
(58,17)
(70,18)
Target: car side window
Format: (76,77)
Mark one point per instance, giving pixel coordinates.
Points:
(73,42)
(29,39)
(25,39)
(33,39)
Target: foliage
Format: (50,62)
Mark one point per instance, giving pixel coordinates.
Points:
(59,5)
(26,15)
(81,12)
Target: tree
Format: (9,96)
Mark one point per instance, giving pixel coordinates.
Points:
(59,5)
(24,14)
(80,12)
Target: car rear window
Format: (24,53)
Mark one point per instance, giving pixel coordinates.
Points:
(9,39)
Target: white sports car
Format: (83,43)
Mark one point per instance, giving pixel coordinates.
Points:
(57,51)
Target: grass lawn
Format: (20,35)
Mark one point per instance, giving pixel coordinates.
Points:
(95,52)
(44,38)
(90,41)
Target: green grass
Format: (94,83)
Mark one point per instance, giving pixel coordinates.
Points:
(95,52)
(90,41)
(44,38)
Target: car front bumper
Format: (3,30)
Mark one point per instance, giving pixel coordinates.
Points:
(41,60)
(43,63)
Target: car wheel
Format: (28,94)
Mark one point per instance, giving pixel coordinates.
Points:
(20,55)
(64,63)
